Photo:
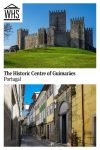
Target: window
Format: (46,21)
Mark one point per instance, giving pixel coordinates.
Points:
(50,109)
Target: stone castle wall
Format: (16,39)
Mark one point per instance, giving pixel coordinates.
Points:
(68,38)
(31,41)
(51,36)
(42,36)
(60,39)
(56,34)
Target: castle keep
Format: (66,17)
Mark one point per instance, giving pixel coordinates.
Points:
(56,35)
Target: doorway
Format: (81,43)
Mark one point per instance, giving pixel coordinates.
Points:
(64,122)
(48,131)
(64,128)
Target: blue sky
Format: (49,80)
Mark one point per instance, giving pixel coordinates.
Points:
(29,90)
(36,16)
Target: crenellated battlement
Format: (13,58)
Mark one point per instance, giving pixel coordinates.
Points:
(89,29)
(79,20)
(57,12)
(23,30)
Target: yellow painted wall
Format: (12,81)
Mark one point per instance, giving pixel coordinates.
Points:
(50,117)
(77,111)
(89,112)
(50,100)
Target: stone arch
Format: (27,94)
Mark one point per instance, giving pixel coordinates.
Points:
(63,108)
(63,113)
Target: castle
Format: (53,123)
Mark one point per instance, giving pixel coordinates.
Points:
(56,35)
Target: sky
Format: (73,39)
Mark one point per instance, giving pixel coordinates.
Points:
(29,90)
(36,16)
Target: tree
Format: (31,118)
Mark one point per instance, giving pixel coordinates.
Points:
(7,30)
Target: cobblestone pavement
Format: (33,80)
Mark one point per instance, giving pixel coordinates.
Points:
(33,141)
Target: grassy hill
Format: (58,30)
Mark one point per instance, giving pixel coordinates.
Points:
(50,57)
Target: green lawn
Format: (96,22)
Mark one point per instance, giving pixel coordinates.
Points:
(50,57)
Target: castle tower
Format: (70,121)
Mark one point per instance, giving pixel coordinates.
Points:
(57,19)
(56,33)
(42,36)
(77,34)
(21,33)
(88,38)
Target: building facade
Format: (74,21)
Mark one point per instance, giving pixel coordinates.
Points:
(40,108)
(84,115)
(44,112)
(13,105)
(65,114)
(50,113)
(56,34)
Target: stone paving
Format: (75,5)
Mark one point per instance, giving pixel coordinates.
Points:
(35,141)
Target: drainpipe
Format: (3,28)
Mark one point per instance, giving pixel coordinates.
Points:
(71,114)
(83,128)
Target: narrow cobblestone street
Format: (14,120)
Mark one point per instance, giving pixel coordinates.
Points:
(53,117)
(33,141)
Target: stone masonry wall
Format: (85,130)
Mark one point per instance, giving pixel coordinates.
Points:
(31,41)
(77,32)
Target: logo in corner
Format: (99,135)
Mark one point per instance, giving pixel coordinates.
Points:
(12,13)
